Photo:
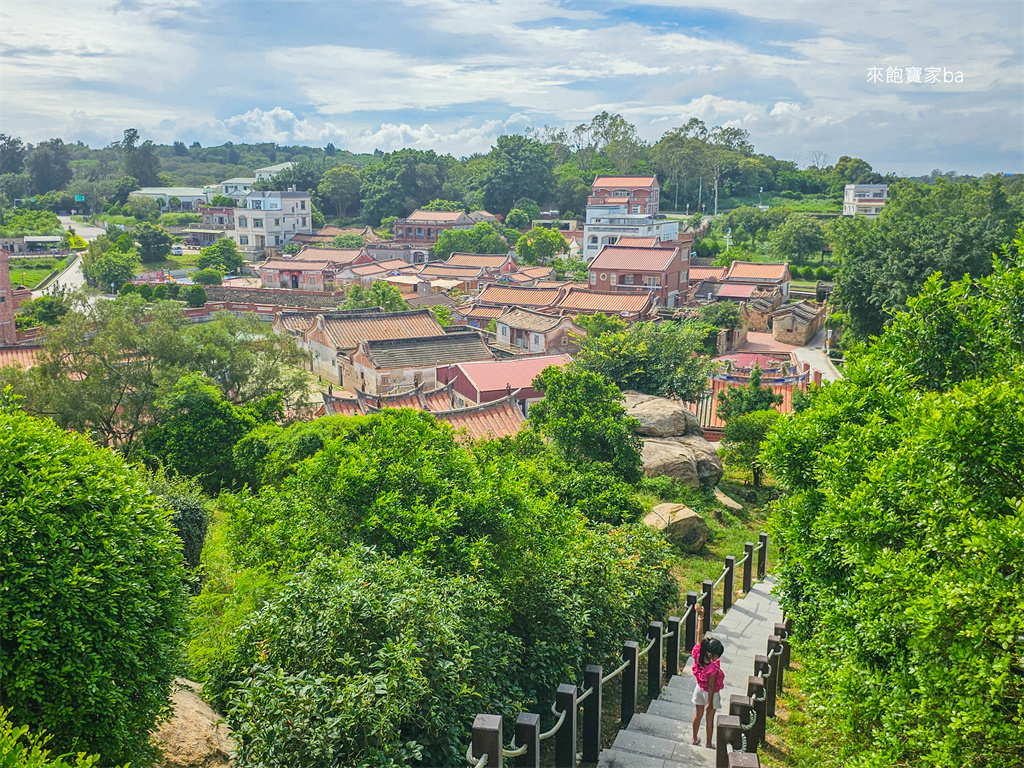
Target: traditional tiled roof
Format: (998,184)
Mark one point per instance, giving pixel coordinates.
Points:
(637,242)
(611,302)
(554,283)
(427,351)
(337,255)
(516,278)
(518,297)
(733,291)
(492,375)
(306,265)
(481,215)
(295,323)
(537,272)
(370,269)
(346,331)
(499,418)
(408,399)
(634,259)
(477,312)
(430,217)
(697,274)
(527,320)
(440,399)
(803,311)
(366,233)
(748,270)
(429,300)
(486,260)
(335,405)
(444,270)
(762,304)
(393,264)
(625,181)
(19,357)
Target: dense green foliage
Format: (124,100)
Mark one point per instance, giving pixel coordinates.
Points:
(93,592)
(387,583)
(482,238)
(154,242)
(22,748)
(742,438)
(663,359)
(222,255)
(190,508)
(902,529)
(21,223)
(540,245)
(753,397)
(379,294)
(722,314)
(207,277)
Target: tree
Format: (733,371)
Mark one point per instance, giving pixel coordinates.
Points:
(722,314)
(664,359)
(196,297)
(180,150)
(142,208)
(123,187)
(520,167)
(140,160)
(443,205)
(582,414)
(113,267)
(753,397)
(402,181)
(154,242)
(195,413)
(481,238)
(517,219)
(340,185)
(207,277)
(12,154)
(599,323)
(222,255)
(799,238)
(49,166)
(222,201)
(443,315)
(540,245)
(379,294)
(22,748)
(90,650)
(350,240)
(742,438)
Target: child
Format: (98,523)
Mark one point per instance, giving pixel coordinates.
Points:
(710,679)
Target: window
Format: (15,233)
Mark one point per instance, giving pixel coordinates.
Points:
(242,222)
(243,239)
(277,222)
(613,278)
(303,221)
(302,206)
(604,276)
(593,239)
(593,279)
(258,223)
(398,230)
(419,231)
(257,204)
(385,381)
(650,282)
(417,379)
(636,209)
(627,279)
(565,340)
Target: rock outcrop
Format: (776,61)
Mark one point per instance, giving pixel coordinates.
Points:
(683,526)
(674,443)
(194,737)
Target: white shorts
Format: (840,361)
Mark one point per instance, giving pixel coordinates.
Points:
(700,697)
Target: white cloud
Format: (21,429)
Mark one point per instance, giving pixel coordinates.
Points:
(282,126)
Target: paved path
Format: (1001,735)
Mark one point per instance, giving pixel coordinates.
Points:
(86,231)
(814,353)
(660,738)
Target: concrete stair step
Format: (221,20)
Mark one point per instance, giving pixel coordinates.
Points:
(662,727)
(617,758)
(670,753)
(672,710)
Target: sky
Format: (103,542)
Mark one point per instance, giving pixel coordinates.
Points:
(453,75)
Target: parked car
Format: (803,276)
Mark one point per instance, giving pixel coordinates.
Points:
(191,242)
(177,250)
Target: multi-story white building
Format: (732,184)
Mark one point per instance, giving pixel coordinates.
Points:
(864,199)
(236,188)
(608,222)
(266,174)
(271,220)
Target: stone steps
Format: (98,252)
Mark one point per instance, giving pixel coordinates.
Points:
(660,737)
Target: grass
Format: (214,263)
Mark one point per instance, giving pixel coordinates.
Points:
(30,277)
(186,261)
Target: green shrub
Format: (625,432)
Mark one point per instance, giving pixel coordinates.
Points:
(191,511)
(195,296)
(93,598)
(173,290)
(207,277)
(146,291)
(20,748)
(160,292)
(127,288)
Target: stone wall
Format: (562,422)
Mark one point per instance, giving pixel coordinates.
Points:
(303,299)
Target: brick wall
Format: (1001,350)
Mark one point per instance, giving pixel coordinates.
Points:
(302,299)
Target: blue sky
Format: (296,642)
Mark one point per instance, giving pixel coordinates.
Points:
(452,75)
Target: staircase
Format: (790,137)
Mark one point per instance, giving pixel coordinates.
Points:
(660,738)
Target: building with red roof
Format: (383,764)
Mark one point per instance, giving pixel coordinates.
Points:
(654,269)
(423,227)
(487,381)
(525,330)
(394,365)
(767,276)
(630,306)
(640,193)
(514,296)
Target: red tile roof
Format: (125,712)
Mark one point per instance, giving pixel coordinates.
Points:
(494,375)
(518,297)
(634,259)
(427,217)
(696,274)
(734,291)
(487,260)
(499,418)
(337,255)
(625,181)
(293,322)
(453,272)
(748,270)
(626,302)
(299,266)
(346,331)
(536,272)
(475,312)
(335,405)
(19,357)
(637,242)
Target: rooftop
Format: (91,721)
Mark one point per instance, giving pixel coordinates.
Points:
(274,168)
(427,351)
(749,270)
(625,181)
(346,330)
(734,291)
(450,270)
(637,242)
(476,312)
(337,255)
(583,300)
(486,260)
(19,357)
(495,375)
(697,274)
(499,418)
(528,320)
(515,296)
(634,259)
(435,216)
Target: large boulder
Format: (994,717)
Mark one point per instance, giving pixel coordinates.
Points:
(690,459)
(195,737)
(660,417)
(683,526)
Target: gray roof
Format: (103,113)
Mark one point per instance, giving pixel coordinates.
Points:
(427,351)
(525,320)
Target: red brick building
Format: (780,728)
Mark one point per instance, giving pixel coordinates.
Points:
(662,272)
(641,193)
(425,226)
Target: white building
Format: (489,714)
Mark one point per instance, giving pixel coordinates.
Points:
(236,188)
(864,199)
(607,222)
(266,174)
(188,196)
(271,220)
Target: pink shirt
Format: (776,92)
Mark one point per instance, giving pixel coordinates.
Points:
(705,673)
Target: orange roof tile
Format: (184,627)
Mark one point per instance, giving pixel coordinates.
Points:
(19,357)
(487,260)
(637,242)
(299,266)
(295,322)
(440,399)
(514,296)
(493,375)
(347,330)
(748,270)
(626,302)
(475,312)
(634,259)
(736,291)
(335,405)
(443,270)
(625,181)
(500,418)
(426,217)
(337,255)
(696,274)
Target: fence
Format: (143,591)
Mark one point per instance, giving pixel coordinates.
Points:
(742,729)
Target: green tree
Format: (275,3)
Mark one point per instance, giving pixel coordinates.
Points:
(123,187)
(443,315)
(666,359)
(90,650)
(12,154)
(517,219)
(443,205)
(481,238)
(379,294)
(402,181)
(207,277)
(223,255)
(583,416)
(722,314)
(191,511)
(194,413)
(196,297)
(145,291)
(142,208)
(350,240)
(340,185)
(49,166)
(599,323)
(742,438)
(140,160)
(540,245)
(114,267)
(753,397)
(21,748)
(800,238)
(222,201)
(154,242)
(520,167)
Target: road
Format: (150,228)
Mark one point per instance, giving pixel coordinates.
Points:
(72,277)
(814,353)
(85,231)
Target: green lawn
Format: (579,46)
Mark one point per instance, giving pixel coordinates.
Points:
(186,261)
(31,272)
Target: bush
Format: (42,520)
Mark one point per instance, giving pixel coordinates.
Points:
(145,291)
(93,599)
(823,273)
(160,292)
(173,290)
(207,277)
(191,513)
(195,296)
(20,748)
(128,288)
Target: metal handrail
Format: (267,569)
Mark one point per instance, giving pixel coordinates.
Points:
(583,696)
(719,581)
(738,563)
(514,751)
